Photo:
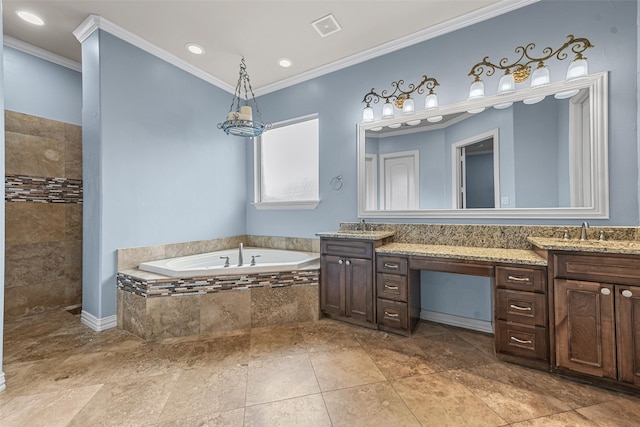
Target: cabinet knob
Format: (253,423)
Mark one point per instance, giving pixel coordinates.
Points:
(605,291)
(348,262)
(340,261)
(627,293)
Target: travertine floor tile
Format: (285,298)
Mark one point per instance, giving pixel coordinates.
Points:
(55,408)
(328,335)
(399,359)
(201,391)
(277,341)
(281,378)
(306,411)
(623,412)
(136,402)
(437,400)
(368,405)
(231,418)
(451,352)
(343,368)
(564,419)
(510,390)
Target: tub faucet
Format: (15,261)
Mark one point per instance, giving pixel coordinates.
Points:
(583,231)
(240,256)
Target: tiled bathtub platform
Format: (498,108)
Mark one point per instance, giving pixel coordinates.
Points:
(152,306)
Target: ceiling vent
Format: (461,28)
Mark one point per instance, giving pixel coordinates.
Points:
(326,26)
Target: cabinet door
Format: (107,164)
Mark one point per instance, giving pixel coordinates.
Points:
(332,285)
(359,284)
(628,330)
(585,329)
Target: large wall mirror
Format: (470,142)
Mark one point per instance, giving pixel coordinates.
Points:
(546,159)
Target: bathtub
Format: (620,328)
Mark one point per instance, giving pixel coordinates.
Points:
(212,263)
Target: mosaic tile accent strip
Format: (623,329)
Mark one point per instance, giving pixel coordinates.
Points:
(19,188)
(203,285)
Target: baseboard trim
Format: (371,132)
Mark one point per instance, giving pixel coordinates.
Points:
(96,324)
(3,384)
(459,321)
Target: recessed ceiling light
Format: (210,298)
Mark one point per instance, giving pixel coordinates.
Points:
(194,48)
(285,62)
(30,17)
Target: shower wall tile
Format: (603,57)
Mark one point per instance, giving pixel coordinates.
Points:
(33,155)
(33,125)
(30,264)
(43,214)
(34,223)
(72,151)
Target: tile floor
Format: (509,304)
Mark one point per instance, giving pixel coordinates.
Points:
(326,373)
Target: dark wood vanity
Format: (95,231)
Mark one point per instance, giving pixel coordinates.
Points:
(556,308)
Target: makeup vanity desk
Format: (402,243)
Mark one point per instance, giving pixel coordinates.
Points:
(520,287)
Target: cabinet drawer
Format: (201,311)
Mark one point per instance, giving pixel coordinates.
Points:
(393,314)
(598,268)
(391,264)
(523,279)
(392,286)
(521,340)
(348,248)
(521,307)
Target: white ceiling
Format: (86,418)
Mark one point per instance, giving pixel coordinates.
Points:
(261,30)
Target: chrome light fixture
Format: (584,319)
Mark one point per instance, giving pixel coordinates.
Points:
(400,99)
(520,70)
(240,121)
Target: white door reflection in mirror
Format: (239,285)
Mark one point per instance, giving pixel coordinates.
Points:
(400,173)
(476,172)
(580,149)
(371,178)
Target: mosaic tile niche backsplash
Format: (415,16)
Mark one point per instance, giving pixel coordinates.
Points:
(43,214)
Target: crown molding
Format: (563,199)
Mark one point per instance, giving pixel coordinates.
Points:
(449,26)
(95,22)
(41,53)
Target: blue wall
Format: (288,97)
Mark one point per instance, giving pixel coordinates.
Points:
(41,88)
(156,168)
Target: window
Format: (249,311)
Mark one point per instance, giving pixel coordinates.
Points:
(287,165)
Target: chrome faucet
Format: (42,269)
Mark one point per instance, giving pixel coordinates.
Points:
(583,231)
(240,256)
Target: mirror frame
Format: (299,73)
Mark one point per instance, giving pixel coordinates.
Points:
(598,89)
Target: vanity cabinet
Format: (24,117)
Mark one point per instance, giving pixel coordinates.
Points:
(596,309)
(521,332)
(398,302)
(346,279)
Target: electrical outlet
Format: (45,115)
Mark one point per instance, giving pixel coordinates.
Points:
(504,200)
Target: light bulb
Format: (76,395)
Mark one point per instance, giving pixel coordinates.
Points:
(387,110)
(408,106)
(503,106)
(413,122)
(395,125)
(434,119)
(566,94)
(476,90)
(431,101)
(367,114)
(506,84)
(533,100)
(476,110)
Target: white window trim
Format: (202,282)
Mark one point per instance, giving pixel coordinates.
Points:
(257,170)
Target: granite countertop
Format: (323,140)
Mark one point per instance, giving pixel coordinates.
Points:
(509,256)
(360,235)
(602,246)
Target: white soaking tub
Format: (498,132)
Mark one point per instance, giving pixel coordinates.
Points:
(255,260)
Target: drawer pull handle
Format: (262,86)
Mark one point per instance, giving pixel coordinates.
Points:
(517,307)
(340,262)
(393,288)
(386,313)
(627,293)
(391,266)
(521,341)
(605,291)
(518,279)
(348,262)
